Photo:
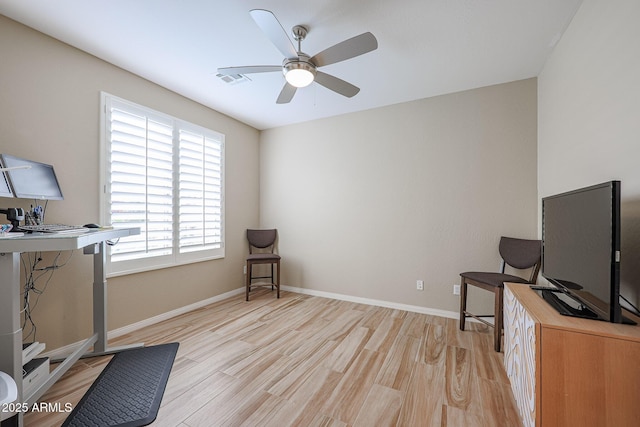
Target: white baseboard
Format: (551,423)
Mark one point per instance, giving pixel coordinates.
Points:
(68,349)
(377,303)
(170,314)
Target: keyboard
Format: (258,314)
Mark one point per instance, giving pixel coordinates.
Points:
(52,228)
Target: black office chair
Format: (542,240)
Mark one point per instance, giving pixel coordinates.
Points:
(261,251)
(520,254)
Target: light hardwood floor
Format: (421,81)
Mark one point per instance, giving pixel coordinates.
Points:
(310,361)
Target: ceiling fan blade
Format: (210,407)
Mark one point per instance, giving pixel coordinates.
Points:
(249,69)
(286,94)
(270,25)
(355,46)
(337,85)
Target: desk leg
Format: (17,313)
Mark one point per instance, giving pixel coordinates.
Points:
(100,298)
(100,348)
(10,330)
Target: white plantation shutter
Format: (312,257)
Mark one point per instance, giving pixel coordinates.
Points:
(200,189)
(166,177)
(141,184)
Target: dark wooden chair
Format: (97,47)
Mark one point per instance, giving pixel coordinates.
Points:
(261,251)
(520,254)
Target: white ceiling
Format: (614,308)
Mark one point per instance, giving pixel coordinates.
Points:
(425,47)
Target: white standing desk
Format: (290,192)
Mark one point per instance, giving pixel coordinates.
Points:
(93,242)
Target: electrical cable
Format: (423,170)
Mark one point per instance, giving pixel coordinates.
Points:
(32,278)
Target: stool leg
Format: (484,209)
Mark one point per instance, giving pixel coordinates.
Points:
(248,281)
(497,329)
(463,303)
(277,279)
(272,281)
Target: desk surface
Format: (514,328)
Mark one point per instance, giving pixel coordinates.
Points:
(43,242)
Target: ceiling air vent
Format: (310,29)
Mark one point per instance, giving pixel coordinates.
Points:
(233,79)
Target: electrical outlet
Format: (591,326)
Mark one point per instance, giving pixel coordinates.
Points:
(420,285)
(244,269)
(456,289)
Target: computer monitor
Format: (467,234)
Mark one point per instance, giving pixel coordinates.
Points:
(31,180)
(5,189)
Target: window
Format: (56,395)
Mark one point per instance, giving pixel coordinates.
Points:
(165,176)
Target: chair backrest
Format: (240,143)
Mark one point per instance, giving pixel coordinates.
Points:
(522,254)
(261,239)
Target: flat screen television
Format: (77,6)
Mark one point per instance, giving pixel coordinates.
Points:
(581,252)
(31,180)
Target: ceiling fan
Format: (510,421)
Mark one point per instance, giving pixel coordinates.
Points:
(300,69)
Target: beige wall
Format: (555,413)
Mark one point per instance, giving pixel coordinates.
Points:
(367,203)
(49,111)
(589,116)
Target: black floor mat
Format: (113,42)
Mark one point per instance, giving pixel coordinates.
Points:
(129,390)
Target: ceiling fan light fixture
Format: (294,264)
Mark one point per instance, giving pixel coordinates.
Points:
(299,77)
(299,73)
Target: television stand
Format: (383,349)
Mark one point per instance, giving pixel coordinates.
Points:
(566,370)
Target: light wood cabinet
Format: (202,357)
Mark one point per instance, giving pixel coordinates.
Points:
(566,371)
